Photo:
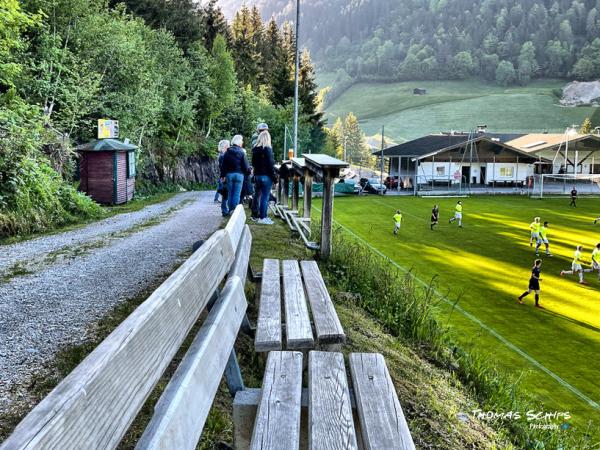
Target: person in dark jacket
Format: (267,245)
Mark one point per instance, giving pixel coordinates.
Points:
(221,187)
(234,167)
(264,170)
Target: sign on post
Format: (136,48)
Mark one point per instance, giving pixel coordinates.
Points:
(108,129)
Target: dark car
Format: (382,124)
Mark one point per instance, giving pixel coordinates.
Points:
(372,186)
(391,183)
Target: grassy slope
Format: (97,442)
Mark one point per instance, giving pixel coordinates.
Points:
(486,264)
(458,105)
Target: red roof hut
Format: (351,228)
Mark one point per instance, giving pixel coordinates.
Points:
(107,170)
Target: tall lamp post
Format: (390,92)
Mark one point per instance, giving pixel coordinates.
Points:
(296,79)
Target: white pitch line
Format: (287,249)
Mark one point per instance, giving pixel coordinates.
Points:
(490,330)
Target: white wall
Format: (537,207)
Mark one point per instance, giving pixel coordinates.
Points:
(494,172)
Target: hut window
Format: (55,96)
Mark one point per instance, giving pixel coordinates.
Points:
(507,171)
(130,164)
(440,171)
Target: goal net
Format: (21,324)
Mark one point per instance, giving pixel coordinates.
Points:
(558,185)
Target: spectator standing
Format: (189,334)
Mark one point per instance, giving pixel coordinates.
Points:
(222,187)
(264,172)
(233,169)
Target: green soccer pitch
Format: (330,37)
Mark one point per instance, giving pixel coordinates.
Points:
(486,265)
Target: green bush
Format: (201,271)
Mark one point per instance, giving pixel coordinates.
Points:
(35,198)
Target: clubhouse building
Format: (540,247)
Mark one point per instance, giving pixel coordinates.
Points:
(481,161)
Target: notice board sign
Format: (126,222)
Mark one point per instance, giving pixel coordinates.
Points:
(108,129)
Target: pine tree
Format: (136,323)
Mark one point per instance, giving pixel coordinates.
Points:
(586,126)
(244,48)
(215,24)
(356,149)
(307,97)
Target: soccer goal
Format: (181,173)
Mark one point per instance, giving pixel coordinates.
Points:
(559,185)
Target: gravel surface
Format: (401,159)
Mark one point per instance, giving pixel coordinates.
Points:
(77,277)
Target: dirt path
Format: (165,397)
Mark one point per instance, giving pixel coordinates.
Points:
(54,287)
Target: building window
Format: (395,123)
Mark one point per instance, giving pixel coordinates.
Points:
(440,171)
(130,164)
(507,172)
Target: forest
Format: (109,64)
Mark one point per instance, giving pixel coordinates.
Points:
(502,41)
(176,75)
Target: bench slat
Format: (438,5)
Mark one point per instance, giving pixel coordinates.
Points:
(330,421)
(181,412)
(277,423)
(268,325)
(327,324)
(235,226)
(298,330)
(95,404)
(242,256)
(382,421)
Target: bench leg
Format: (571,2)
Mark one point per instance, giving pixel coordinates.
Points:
(233,375)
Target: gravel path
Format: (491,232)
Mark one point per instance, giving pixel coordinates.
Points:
(77,277)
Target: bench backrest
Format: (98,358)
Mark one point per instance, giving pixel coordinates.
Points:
(96,403)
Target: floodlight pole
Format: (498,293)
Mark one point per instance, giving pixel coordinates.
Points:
(296,78)
(381,168)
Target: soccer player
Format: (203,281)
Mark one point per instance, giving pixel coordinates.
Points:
(457,214)
(573,197)
(596,259)
(435,216)
(576,267)
(534,283)
(535,230)
(543,239)
(397,221)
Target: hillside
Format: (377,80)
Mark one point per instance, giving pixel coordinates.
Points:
(455,105)
(508,41)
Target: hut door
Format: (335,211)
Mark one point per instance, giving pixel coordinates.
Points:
(483,178)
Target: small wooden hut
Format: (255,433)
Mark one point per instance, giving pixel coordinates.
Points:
(107,170)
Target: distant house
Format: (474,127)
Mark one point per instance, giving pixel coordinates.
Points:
(459,158)
(419,91)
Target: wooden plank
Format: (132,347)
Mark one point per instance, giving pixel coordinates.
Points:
(277,424)
(327,216)
(268,325)
(242,255)
(298,330)
(181,411)
(382,421)
(235,226)
(330,421)
(308,185)
(327,324)
(95,404)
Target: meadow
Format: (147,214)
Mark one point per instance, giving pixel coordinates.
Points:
(454,105)
(478,272)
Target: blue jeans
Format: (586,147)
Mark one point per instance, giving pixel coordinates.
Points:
(263,193)
(235,181)
(217,191)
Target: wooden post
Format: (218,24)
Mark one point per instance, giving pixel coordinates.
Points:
(295,191)
(308,182)
(285,186)
(327,215)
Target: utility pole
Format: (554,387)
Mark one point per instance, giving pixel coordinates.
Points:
(285,149)
(382,147)
(296,78)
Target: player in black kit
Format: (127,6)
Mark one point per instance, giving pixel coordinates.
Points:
(435,216)
(534,283)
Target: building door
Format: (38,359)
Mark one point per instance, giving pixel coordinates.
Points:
(483,178)
(466,174)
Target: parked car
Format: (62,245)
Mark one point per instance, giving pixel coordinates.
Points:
(391,183)
(357,187)
(372,186)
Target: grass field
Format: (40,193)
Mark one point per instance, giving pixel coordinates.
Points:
(484,267)
(454,105)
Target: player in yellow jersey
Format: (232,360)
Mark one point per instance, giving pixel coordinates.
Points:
(596,259)
(535,230)
(457,214)
(543,239)
(576,266)
(397,221)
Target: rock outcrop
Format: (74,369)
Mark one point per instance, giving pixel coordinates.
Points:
(581,93)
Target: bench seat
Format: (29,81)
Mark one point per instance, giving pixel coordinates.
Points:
(292,284)
(327,415)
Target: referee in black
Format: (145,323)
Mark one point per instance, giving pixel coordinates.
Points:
(534,283)
(573,197)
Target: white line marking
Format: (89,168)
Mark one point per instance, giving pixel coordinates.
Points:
(490,330)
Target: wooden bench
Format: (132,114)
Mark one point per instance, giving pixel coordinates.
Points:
(93,407)
(290,283)
(327,415)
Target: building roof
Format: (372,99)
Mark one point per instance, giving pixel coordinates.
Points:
(103,145)
(434,143)
(540,141)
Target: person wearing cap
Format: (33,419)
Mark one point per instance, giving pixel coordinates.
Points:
(259,129)
(234,167)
